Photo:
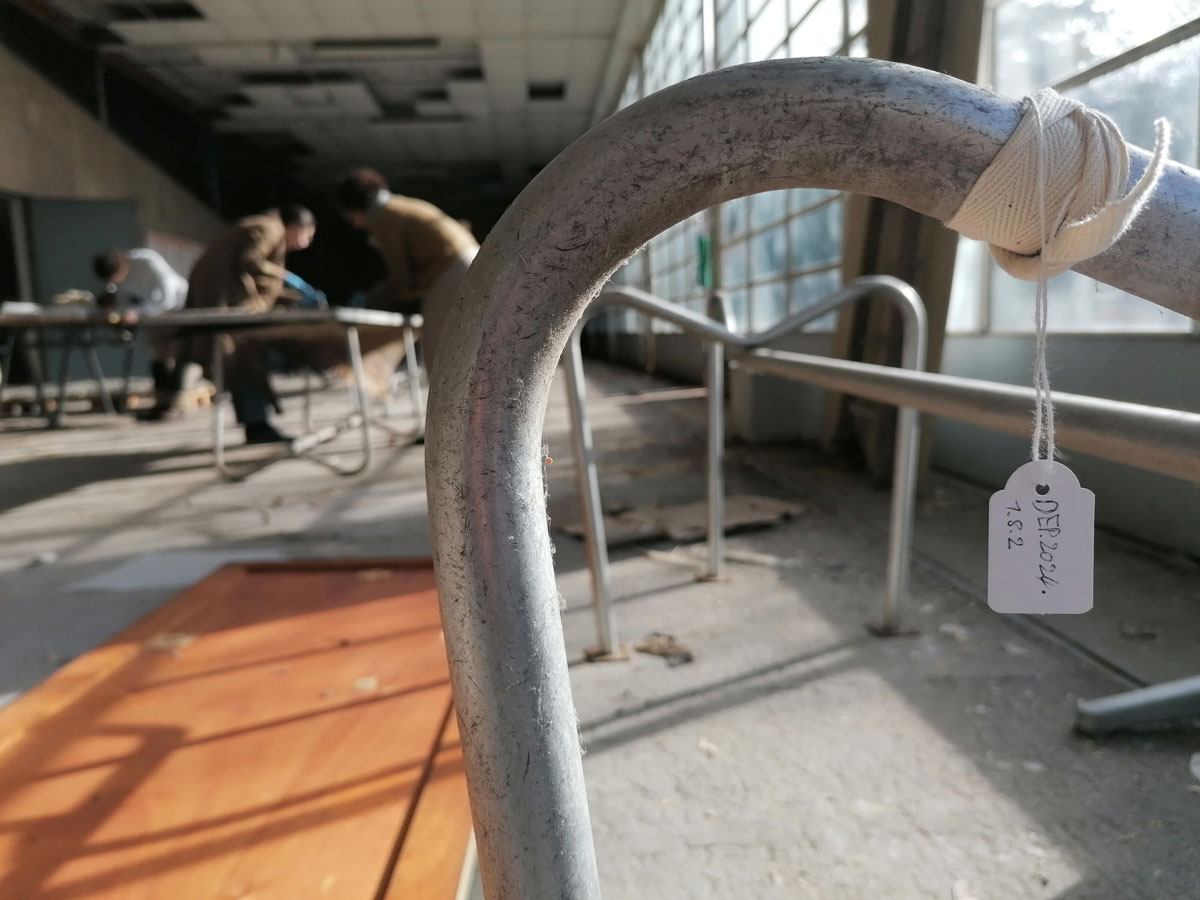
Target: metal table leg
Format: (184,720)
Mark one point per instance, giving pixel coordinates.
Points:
(10,350)
(360,418)
(218,412)
(64,364)
(127,368)
(414,379)
(35,358)
(88,341)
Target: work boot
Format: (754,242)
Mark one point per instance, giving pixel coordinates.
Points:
(265,433)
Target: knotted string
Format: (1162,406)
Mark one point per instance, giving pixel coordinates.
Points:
(1070,211)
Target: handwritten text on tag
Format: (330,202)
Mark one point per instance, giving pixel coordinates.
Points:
(1041,536)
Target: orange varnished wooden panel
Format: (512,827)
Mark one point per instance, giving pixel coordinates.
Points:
(431,859)
(262,736)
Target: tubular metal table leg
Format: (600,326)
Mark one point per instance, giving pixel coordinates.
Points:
(64,367)
(35,357)
(127,370)
(88,342)
(10,351)
(414,379)
(218,411)
(360,395)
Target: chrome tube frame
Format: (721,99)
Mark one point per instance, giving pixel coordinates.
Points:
(717,337)
(908,135)
(306,444)
(714,381)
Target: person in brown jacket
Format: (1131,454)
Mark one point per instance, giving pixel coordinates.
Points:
(243,268)
(427,253)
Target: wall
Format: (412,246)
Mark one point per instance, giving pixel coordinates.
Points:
(50,147)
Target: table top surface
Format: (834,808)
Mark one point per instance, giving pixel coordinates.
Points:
(281,730)
(210,319)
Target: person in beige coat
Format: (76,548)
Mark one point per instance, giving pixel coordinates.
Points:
(243,268)
(427,253)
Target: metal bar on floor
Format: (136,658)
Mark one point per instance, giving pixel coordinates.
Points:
(910,136)
(1171,700)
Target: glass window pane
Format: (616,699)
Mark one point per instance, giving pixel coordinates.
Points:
(966,308)
(1038,42)
(737,55)
(802,198)
(736,304)
(820,34)
(858,16)
(799,10)
(767,208)
(768,304)
(1077,303)
(768,30)
(769,253)
(733,265)
(733,218)
(858,46)
(816,237)
(808,289)
(658,254)
(730,25)
(1166,83)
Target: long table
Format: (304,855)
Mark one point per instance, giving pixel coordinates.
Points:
(79,329)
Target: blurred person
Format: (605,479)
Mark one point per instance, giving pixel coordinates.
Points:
(139,282)
(243,268)
(427,252)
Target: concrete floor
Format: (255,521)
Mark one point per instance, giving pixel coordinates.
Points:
(796,756)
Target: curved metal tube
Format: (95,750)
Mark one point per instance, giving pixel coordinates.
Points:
(912,136)
(906,457)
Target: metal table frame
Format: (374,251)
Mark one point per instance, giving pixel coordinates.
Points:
(78,332)
(718,333)
(912,136)
(305,445)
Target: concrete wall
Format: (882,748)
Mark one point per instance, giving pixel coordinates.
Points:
(50,147)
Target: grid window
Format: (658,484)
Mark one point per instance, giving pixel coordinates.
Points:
(793,238)
(777,251)
(1073,45)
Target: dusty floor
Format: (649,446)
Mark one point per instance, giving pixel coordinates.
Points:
(796,756)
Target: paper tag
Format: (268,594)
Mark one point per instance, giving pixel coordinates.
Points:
(1041,537)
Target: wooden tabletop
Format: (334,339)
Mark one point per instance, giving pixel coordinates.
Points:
(276,732)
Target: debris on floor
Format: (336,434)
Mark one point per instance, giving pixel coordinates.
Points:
(1140,631)
(170,642)
(689,521)
(960,633)
(658,644)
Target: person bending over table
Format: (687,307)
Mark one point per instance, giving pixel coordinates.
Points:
(427,253)
(140,282)
(243,269)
